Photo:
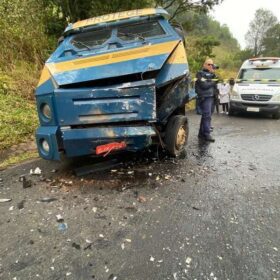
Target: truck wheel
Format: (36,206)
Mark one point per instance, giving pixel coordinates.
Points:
(176,135)
(276,116)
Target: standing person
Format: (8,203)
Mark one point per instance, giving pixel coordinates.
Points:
(224,89)
(205,88)
(216,102)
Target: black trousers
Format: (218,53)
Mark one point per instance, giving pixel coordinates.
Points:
(215,105)
(225,107)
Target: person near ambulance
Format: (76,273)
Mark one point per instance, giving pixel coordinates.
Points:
(206,87)
(224,93)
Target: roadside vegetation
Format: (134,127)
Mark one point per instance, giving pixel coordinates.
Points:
(30,29)
(18,119)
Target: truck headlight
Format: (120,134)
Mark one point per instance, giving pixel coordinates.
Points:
(235,95)
(44,146)
(46,111)
(276,98)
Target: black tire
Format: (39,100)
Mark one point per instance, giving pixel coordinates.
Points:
(176,135)
(276,116)
(230,112)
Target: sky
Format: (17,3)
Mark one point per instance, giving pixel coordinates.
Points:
(237,14)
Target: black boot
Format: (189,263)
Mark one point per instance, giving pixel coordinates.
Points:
(209,138)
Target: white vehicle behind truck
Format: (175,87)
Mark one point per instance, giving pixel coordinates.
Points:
(257,88)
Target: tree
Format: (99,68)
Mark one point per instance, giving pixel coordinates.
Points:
(264,20)
(58,13)
(74,10)
(178,7)
(22,32)
(200,49)
(61,12)
(271,41)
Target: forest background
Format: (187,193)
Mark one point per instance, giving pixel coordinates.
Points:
(29,30)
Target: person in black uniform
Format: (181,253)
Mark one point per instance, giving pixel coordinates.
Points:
(206,88)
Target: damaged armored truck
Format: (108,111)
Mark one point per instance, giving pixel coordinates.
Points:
(117,82)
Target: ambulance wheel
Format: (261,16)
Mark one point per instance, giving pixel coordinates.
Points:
(176,135)
(276,116)
(230,112)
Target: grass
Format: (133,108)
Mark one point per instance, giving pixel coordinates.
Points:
(17,159)
(18,119)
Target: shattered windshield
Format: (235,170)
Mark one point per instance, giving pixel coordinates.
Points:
(141,30)
(91,39)
(132,32)
(260,73)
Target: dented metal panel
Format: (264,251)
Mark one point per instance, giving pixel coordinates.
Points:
(79,142)
(131,102)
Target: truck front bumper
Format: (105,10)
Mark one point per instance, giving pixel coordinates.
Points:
(83,141)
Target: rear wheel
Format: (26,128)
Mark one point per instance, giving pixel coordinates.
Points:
(176,135)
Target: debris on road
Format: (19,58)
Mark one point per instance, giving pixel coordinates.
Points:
(96,167)
(152,259)
(252,167)
(20,205)
(62,227)
(112,277)
(47,199)
(36,171)
(5,200)
(188,260)
(59,218)
(141,199)
(25,183)
(76,246)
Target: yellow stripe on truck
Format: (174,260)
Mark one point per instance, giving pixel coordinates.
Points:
(179,55)
(45,75)
(110,58)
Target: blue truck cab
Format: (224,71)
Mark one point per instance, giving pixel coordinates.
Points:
(117,82)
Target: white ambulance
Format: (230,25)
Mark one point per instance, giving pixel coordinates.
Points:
(257,88)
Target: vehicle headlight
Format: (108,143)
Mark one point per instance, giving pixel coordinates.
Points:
(276,98)
(46,111)
(235,95)
(45,146)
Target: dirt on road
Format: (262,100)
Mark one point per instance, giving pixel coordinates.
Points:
(214,214)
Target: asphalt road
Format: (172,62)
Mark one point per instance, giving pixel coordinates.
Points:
(214,214)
